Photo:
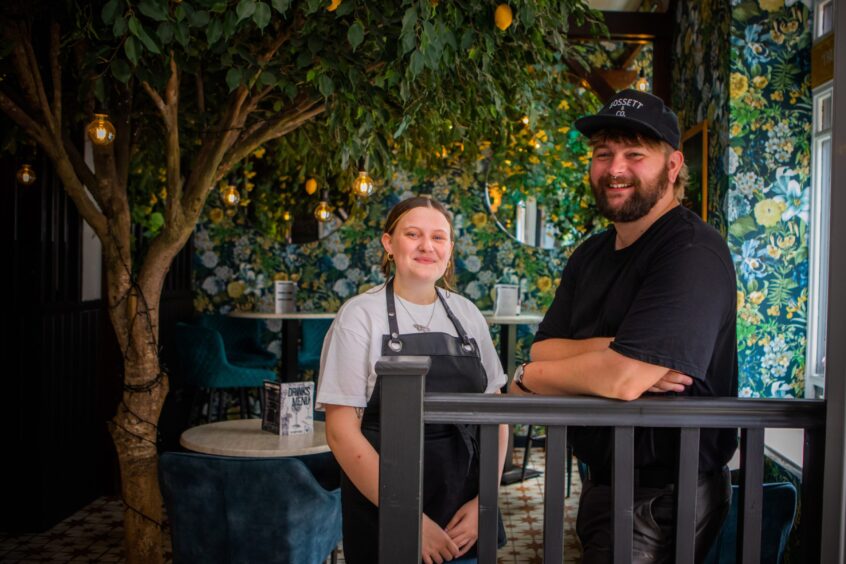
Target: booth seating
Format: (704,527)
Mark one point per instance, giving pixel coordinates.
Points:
(201,361)
(268,510)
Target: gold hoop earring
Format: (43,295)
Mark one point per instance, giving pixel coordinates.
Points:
(390,257)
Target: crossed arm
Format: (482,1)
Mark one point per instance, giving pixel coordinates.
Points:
(590,367)
(360,463)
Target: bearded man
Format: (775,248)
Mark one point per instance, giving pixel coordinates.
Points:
(645,307)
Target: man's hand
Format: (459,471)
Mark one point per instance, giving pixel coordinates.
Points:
(438,547)
(672,381)
(463,528)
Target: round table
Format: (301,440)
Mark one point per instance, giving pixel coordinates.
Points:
(244,437)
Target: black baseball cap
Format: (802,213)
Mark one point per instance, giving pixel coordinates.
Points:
(638,111)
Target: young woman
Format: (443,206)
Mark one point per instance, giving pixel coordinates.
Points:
(409,315)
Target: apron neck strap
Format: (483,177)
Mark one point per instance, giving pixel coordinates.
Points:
(392,314)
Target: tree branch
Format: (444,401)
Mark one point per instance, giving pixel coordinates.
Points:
(20,117)
(305,110)
(56,72)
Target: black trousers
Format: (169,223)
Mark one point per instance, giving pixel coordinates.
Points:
(654,519)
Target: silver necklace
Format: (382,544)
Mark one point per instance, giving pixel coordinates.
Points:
(421,328)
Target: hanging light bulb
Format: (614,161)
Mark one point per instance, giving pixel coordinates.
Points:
(323,212)
(286,216)
(229,195)
(642,83)
(25,175)
(100,130)
(363,185)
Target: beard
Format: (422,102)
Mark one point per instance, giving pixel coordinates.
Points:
(644,196)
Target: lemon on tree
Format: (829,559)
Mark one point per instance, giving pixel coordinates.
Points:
(503,16)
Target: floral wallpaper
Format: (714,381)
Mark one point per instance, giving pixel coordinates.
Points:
(768,201)
(701,90)
(754,91)
(235,267)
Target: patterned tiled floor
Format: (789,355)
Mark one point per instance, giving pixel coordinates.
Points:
(95,533)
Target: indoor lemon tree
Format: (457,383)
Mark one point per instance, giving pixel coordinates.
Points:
(193,87)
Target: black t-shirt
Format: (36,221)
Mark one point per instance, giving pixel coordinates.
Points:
(668,299)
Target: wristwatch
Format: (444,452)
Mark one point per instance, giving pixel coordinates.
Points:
(518,378)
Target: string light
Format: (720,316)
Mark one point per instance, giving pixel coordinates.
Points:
(362,186)
(26,175)
(286,216)
(323,212)
(100,130)
(229,195)
(642,83)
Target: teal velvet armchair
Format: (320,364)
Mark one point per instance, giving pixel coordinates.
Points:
(201,361)
(241,340)
(262,510)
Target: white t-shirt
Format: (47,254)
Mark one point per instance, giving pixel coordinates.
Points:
(353,343)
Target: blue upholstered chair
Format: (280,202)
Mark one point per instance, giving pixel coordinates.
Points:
(201,361)
(241,340)
(262,510)
(779,511)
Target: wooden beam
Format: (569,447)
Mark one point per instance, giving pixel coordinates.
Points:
(629,25)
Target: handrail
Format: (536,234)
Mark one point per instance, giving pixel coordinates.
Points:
(406,408)
(647,412)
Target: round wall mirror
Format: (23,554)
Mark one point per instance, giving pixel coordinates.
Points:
(535,185)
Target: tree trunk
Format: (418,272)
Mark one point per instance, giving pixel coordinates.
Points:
(133,431)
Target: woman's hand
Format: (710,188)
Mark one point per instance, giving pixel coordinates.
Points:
(437,546)
(463,528)
(672,381)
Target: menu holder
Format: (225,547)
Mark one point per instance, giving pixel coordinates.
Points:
(288,407)
(507,300)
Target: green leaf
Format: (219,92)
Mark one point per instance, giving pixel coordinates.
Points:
(408,42)
(121,70)
(325,85)
(245,9)
(131,49)
(109,11)
(230,22)
(156,221)
(181,33)
(218,8)
(152,10)
(409,20)
(214,31)
(119,28)
(165,32)
(233,78)
(267,77)
(138,31)
(355,35)
(281,6)
(417,63)
(200,18)
(742,227)
(262,15)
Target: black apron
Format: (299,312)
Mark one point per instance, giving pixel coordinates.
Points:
(451,458)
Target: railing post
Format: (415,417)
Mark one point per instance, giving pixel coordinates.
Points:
(686,490)
(750,503)
(553,506)
(622,494)
(401,456)
(810,522)
(488,490)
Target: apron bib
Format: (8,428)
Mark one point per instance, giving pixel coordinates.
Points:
(451,458)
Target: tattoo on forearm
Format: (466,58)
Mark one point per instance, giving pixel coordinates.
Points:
(359,412)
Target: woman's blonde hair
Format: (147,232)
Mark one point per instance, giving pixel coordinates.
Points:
(394,216)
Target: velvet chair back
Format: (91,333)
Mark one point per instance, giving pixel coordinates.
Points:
(263,510)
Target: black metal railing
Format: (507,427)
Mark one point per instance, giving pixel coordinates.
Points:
(404,410)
